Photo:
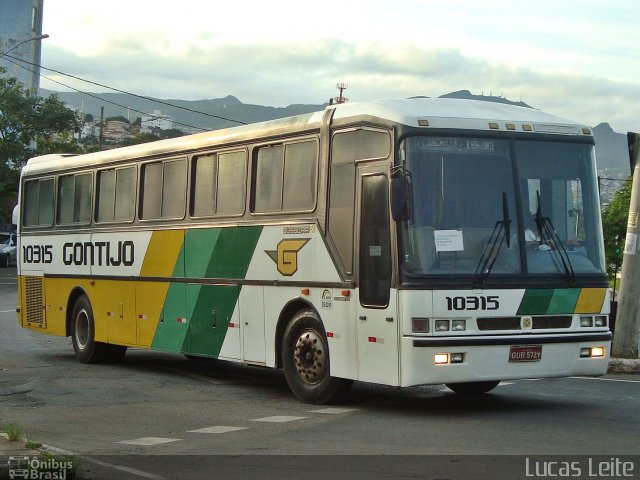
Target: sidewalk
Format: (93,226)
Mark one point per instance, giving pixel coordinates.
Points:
(624,365)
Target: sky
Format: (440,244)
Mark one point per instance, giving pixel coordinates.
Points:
(577,59)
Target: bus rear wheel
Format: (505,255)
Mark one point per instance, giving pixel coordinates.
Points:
(305,360)
(473,388)
(87,350)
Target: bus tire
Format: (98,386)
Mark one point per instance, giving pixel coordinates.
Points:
(305,361)
(4,261)
(473,388)
(87,350)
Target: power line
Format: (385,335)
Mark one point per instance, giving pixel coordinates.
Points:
(99,98)
(155,100)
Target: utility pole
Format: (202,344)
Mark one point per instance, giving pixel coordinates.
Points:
(626,340)
(101,128)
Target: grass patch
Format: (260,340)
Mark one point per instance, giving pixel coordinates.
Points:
(13,431)
(32,445)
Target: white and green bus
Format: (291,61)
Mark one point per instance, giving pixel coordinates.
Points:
(410,242)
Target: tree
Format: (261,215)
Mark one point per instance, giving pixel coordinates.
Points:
(30,126)
(117,118)
(171,133)
(614,224)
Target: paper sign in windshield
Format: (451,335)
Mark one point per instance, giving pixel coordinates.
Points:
(448,240)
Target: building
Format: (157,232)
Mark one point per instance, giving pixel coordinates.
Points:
(156,121)
(21,20)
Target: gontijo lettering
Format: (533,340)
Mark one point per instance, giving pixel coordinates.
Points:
(99,253)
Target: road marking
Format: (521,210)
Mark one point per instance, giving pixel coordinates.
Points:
(217,429)
(114,466)
(606,379)
(13,310)
(502,384)
(333,410)
(147,441)
(278,419)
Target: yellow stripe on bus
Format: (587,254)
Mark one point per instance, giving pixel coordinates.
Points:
(590,300)
(162,253)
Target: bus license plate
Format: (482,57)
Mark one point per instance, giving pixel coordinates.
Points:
(529,353)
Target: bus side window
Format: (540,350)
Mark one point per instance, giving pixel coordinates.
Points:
(38,203)
(164,188)
(348,147)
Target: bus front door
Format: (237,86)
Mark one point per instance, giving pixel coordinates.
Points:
(377,323)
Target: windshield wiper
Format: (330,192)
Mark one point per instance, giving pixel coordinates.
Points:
(501,232)
(549,236)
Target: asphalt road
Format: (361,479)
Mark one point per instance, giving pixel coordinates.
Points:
(152,412)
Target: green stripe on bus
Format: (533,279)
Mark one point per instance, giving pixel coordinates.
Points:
(202,312)
(535,302)
(563,301)
(171,332)
(549,301)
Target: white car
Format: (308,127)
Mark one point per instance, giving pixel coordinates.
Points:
(7,249)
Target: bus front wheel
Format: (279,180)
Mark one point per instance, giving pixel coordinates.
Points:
(473,388)
(87,350)
(305,360)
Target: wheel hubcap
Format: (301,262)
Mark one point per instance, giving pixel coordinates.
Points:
(82,329)
(310,357)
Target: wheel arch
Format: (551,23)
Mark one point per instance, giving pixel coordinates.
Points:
(287,313)
(76,293)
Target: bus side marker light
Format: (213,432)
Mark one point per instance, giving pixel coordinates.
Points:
(441,358)
(304,291)
(346,293)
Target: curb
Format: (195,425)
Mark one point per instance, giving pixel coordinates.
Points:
(624,365)
(17,448)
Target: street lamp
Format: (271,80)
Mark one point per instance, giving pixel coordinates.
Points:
(39,37)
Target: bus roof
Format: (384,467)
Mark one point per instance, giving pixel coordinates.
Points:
(448,113)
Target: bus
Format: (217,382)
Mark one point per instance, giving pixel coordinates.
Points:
(410,242)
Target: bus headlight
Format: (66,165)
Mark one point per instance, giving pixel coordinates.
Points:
(442,326)
(592,352)
(458,325)
(600,321)
(441,358)
(586,321)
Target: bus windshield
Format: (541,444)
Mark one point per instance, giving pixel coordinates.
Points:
(488,207)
